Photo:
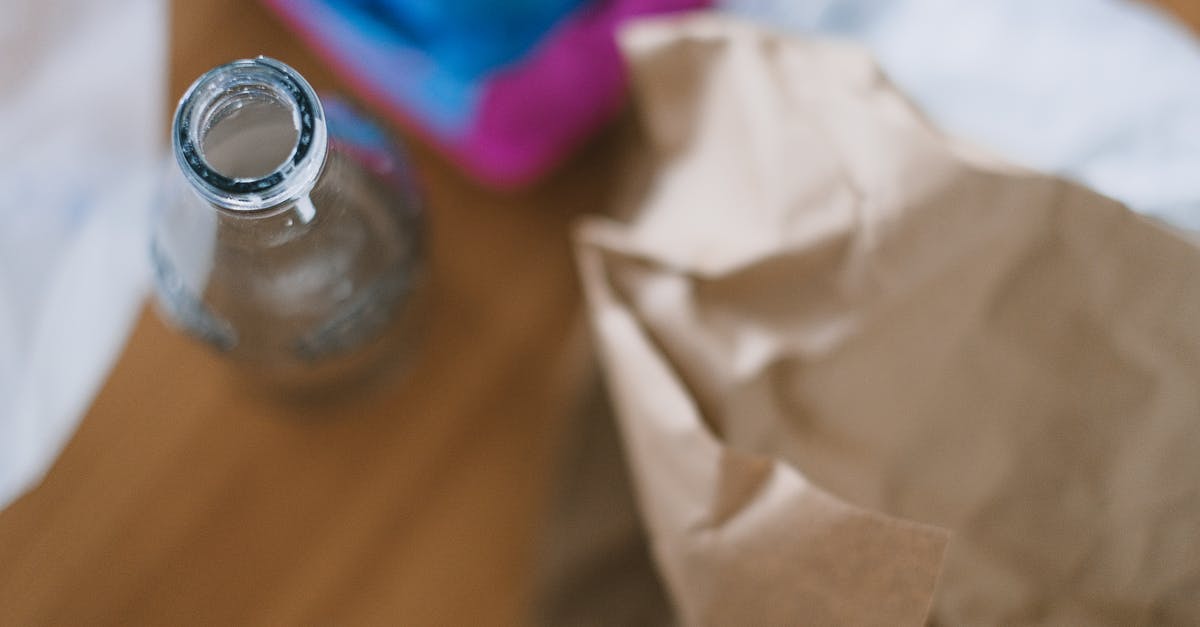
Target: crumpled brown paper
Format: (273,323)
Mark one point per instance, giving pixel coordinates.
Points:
(868,374)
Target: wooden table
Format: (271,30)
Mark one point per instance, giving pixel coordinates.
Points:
(183,499)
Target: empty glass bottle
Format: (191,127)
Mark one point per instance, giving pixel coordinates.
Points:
(288,241)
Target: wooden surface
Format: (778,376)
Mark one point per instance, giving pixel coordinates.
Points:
(1188,11)
(183,499)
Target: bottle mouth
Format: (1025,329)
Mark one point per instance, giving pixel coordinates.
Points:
(250,135)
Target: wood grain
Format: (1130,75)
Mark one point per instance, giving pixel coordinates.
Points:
(184,498)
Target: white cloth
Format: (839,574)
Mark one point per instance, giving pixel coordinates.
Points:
(1106,92)
(82,88)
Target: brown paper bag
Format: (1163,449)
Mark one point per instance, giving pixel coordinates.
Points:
(862,369)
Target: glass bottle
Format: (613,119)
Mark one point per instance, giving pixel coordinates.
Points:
(290,243)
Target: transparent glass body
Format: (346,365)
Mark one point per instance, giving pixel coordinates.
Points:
(290,250)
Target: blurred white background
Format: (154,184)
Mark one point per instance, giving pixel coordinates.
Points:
(1103,91)
(82,91)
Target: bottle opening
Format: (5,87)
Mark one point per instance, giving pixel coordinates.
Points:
(250,135)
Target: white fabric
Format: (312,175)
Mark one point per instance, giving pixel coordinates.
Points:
(1103,91)
(82,88)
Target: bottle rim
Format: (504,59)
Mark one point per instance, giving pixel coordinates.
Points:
(223,88)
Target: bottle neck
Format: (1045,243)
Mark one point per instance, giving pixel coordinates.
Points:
(250,136)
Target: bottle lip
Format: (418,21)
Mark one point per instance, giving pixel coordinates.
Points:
(214,92)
